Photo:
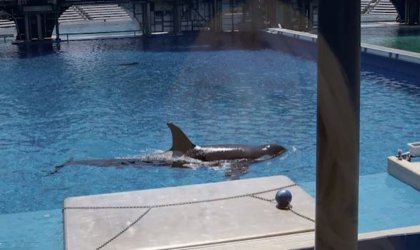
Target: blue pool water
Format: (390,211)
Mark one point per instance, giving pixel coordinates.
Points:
(81,102)
(384,202)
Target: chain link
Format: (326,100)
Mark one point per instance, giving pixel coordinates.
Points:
(262,198)
(289,208)
(150,207)
(301,215)
(125,229)
(181,203)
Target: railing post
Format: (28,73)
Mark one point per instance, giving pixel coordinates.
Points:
(27,30)
(57,28)
(146,19)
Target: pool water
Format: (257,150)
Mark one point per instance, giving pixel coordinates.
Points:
(384,202)
(113,98)
(82,103)
(396,36)
(38,230)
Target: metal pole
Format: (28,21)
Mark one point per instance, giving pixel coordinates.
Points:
(39,27)
(217,16)
(338,124)
(231,10)
(218,24)
(27,29)
(57,28)
(177,17)
(412,12)
(146,19)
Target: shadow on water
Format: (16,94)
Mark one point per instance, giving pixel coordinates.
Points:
(35,49)
(194,41)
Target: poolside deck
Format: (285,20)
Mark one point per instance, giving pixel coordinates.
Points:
(235,213)
(408,172)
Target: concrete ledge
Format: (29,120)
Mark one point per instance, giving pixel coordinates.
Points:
(408,172)
(187,216)
(295,34)
(397,54)
(371,240)
(390,232)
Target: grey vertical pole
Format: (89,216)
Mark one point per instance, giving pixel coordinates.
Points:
(338,124)
(134,11)
(135,17)
(146,19)
(232,25)
(177,17)
(218,16)
(253,12)
(57,28)
(311,16)
(412,12)
(407,12)
(39,26)
(27,29)
(213,15)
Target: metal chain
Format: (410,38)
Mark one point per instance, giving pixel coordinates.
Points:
(150,207)
(262,198)
(301,215)
(181,203)
(125,229)
(289,208)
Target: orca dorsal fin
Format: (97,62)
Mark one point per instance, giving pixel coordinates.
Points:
(180,142)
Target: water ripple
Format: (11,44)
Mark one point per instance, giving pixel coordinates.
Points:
(82,103)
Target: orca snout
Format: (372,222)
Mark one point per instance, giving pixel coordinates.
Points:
(273,149)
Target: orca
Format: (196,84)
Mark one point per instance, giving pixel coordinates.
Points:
(184,153)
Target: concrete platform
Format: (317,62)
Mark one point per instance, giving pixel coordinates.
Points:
(196,216)
(384,239)
(408,172)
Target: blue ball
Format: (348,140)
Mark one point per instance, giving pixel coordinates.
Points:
(283,198)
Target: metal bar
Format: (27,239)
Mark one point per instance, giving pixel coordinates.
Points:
(214,15)
(57,28)
(27,28)
(412,10)
(232,28)
(147,19)
(338,125)
(100,32)
(39,26)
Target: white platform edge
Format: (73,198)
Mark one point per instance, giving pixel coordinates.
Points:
(302,240)
(303,204)
(408,172)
